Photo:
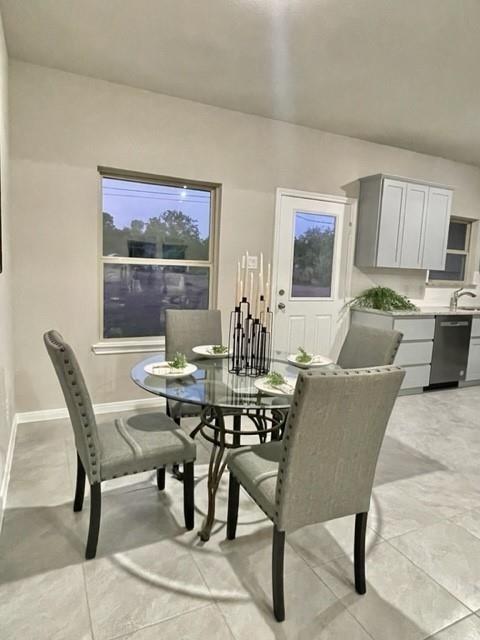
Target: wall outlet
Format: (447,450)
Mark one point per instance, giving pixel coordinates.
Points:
(252,262)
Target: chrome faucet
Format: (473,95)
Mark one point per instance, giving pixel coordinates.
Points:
(458,293)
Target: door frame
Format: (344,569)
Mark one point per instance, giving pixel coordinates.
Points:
(350,227)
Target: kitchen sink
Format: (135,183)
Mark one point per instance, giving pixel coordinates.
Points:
(468,308)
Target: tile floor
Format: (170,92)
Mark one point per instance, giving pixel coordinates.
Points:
(151,579)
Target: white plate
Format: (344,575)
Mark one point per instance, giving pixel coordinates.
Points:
(285,390)
(205,350)
(164,370)
(316,361)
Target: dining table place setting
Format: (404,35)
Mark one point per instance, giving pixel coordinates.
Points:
(178,367)
(306,360)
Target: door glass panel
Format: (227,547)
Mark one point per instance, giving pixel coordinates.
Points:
(313,255)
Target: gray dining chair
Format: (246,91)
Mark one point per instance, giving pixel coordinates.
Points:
(185,329)
(325,464)
(368,347)
(116,448)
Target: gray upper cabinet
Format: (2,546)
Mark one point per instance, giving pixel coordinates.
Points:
(436,230)
(402,224)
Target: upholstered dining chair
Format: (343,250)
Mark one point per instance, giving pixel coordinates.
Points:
(324,467)
(185,329)
(111,450)
(368,347)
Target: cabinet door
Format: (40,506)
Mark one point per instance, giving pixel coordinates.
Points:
(436,228)
(413,227)
(391,221)
(473,367)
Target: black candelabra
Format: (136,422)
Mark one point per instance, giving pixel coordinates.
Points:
(250,335)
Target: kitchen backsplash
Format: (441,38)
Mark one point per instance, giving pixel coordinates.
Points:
(410,283)
(440,296)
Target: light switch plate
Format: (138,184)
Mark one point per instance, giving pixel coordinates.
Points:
(253,262)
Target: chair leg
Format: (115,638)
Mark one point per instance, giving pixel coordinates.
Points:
(359,552)
(95,512)
(188,495)
(80,488)
(278,549)
(161,478)
(233,498)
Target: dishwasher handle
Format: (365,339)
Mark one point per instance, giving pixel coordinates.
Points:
(454,323)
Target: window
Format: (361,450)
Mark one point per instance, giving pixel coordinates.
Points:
(457,253)
(157,252)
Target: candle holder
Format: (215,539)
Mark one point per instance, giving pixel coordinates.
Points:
(250,340)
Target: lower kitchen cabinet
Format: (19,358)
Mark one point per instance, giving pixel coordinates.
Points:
(415,351)
(416,377)
(473,367)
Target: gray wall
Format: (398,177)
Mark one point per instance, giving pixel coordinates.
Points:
(65,125)
(7,408)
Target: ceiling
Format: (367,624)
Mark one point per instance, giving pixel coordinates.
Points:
(399,72)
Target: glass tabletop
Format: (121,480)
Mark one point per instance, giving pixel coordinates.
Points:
(213,385)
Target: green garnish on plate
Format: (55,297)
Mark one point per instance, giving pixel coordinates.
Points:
(219,349)
(275,379)
(179,361)
(303,357)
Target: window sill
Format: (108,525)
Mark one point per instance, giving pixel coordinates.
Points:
(450,284)
(109,347)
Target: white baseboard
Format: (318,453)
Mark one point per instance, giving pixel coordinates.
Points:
(8,466)
(105,407)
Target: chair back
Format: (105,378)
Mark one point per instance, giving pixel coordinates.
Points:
(368,347)
(334,432)
(185,329)
(78,402)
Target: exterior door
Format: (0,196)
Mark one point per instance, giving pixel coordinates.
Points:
(312,258)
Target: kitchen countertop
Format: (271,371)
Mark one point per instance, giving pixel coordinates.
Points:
(421,311)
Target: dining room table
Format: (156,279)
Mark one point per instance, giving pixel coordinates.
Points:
(232,408)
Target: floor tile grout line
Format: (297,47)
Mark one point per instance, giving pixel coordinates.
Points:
(449,626)
(432,578)
(339,600)
(88,601)
(418,530)
(452,521)
(224,617)
(411,561)
(434,524)
(344,554)
(159,622)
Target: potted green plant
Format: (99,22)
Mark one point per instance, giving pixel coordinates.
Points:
(384,299)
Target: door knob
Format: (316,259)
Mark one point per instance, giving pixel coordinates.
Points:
(281,306)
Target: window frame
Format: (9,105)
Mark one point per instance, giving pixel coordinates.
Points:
(153,343)
(466,252)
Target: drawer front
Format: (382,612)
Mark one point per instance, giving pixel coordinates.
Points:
(475,327)
(414,353)
(418,376)
(415,328)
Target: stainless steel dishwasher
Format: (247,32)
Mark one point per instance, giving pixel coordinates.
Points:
(450,349)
